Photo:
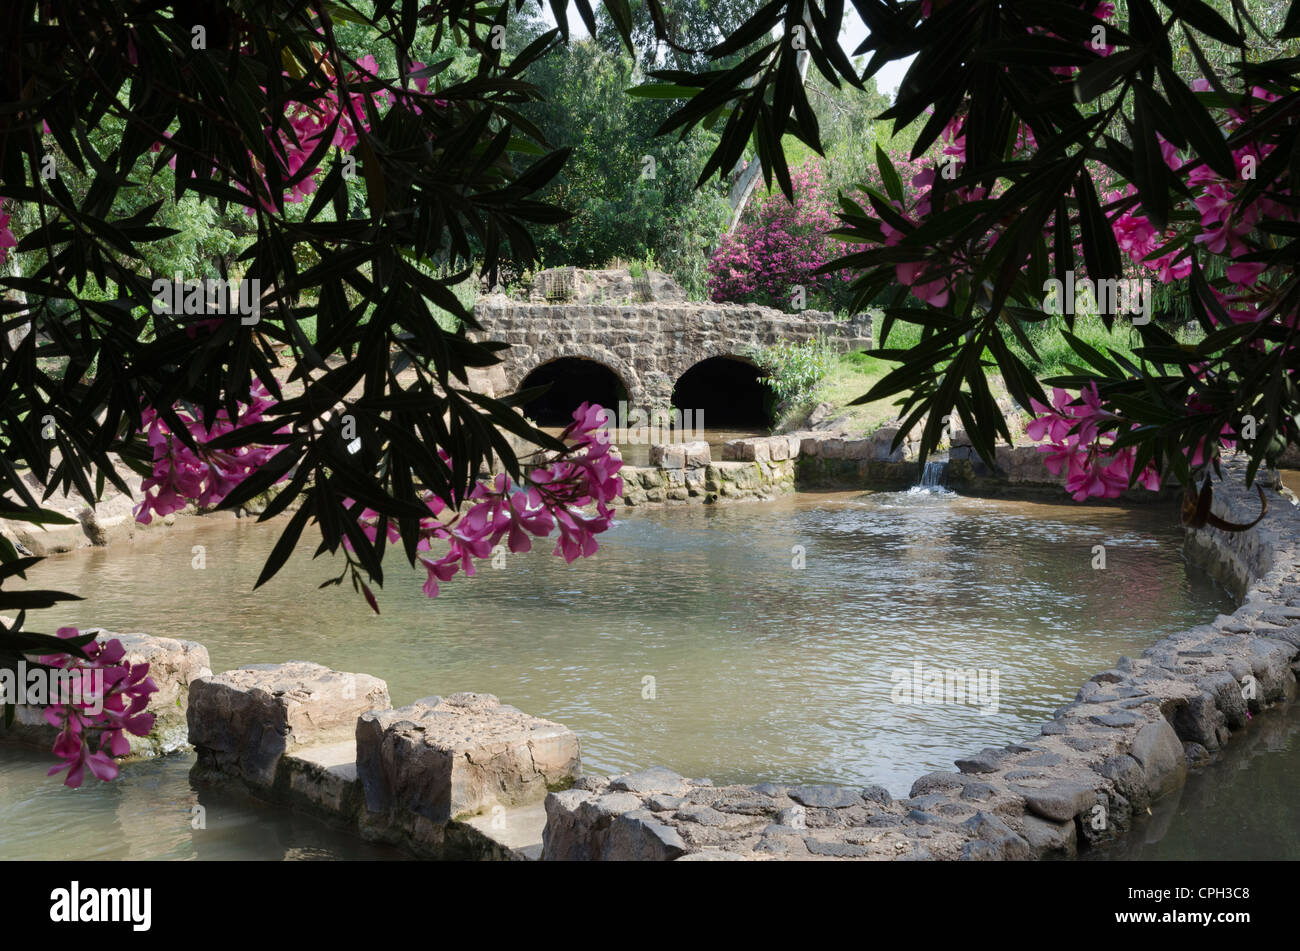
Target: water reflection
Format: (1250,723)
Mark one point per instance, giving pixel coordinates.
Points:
(151,812)
(1242,807)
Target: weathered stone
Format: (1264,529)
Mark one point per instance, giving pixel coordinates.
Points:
(978,791)
(986,762)
(1115,720)
(702,815)
(989,828)
(1157,748)
(1198,721)
(664,803)
(826,797)
(1050,839)
(639,837)
(580,827)
(921,817)
(656,779)
(931,782)
(878,794)
(1059,802)
(839,850)
(243,721)
(1042,759)
(1197,755)
(441,759)
(1128,776)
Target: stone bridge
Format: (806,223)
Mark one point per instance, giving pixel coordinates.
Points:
(645,333)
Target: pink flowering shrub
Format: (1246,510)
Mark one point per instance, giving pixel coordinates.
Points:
(6,237)
(1226,228)
(783,246)
(1081,446)
(182,475)
(106,700)
(555,496)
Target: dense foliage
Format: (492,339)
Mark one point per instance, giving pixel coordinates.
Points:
(1042,107)
(632,195)
(778,257)
(370,187)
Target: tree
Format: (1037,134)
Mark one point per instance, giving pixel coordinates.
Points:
(279,109)
(632,195)
(1070,137)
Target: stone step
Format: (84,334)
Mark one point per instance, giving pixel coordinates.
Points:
(516,830)
(324,777)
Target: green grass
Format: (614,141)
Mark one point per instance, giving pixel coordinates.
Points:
(854,374)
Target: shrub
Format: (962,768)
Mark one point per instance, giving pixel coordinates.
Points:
(794,369)
(767,258)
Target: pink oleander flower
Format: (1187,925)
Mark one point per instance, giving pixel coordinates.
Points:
(108,698)
(181,476)
(554,495)
(1078,446)
(7,240)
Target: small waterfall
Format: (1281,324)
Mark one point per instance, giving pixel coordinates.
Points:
(935,473)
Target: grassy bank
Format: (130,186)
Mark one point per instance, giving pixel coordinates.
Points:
(853,374)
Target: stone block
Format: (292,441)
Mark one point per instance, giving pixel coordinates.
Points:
(242,722)
(690,455)
(668,455)
(755,449)
(173,664)
(442,759)
(1160,753)
(581,826)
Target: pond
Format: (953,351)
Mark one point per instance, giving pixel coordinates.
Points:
(1242,807)
(742,642)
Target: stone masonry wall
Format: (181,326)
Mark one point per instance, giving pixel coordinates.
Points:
(647,345)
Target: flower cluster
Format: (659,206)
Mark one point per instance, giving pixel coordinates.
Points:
(308,123)
(6,237)
(927,280)
(782,247)
(107,696)
(555,496)
(1226,228)
(1226,220)
(181,475)
(1081,445)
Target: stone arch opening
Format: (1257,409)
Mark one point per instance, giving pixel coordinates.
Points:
(573,381)
(729,390)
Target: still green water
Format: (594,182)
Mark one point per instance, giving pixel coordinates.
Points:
(691,640)
(1242,807)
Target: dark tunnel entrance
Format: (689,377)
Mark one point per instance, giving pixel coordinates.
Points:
(574,381)
(730,391)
